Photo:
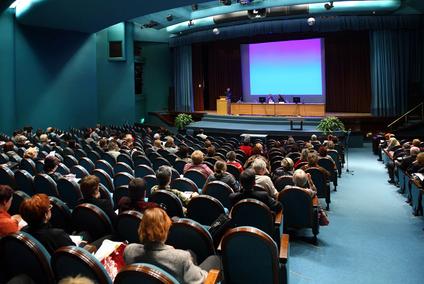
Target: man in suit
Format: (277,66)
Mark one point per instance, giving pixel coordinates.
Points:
(247,181)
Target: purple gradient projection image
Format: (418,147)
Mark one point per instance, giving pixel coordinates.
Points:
(286,67)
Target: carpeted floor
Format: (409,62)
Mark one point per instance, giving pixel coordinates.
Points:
(372,238)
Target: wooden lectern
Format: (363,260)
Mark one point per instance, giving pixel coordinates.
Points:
(223,106)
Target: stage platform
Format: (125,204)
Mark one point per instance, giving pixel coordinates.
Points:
(271,125)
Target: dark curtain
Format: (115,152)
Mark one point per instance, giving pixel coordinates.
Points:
(221,63)
(396,66)
(198,77)
(183,78)
(348,79)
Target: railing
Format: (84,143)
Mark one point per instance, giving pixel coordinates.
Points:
(405,116)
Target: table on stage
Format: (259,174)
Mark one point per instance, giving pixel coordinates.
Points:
(278,109)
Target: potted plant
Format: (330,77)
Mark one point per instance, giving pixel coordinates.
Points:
(182,120)
(330,124)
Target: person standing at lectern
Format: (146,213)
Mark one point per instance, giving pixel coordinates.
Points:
(281,99)
(228,94)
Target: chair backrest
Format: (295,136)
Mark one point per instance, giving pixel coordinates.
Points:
(7,176)
(109,158)
(79,171)
(297,208)
(105,179)
(87,164)
(143,170)
(150,181)
(4,158)
(220,191)
(281,182)
(252,212)
(80,153)
(204,209)
(61,215)
(123,167)
(173,204)
(73,261)
(234,171)
(301,164)
(196,176)
(184,184)
(121,179)
(90,218)
(20,253)
(106,166)
(127,225)
(141,160)
(18,197)
(320,182)
(70,161)
(63,169)
(28,165)
(144,273)
(160,161)
(24,182)
(249,255)
(179,166)
(69,192)
(125,158)
(45,184)
(171,158)
(187,234)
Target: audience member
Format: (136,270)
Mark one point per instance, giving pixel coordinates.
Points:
(257,153)
(153,232)
(36,211)
(313,163)
(202,134)
(136,197)
(170,145)
(196,164)
(91,194)
(417,165)
(247,182)
(286,169)
(31,153)
(183,153)
(51,164)
(302,181)
(76,280)
(246,147)
(231,160)
(262,179)
(220,174)
(8,224)
(113,149)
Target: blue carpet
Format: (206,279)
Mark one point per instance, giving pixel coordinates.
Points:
(372,237)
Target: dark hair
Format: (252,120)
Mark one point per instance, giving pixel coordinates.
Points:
(322,151)
(211,151)
(136,190)
(182,151)
(8,146)
(89,185)
(163,175)
(6,193)
(248,179)
(50,162)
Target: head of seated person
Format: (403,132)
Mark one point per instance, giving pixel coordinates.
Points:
(312,160)
(220,168)
(44,139)
(416,142)
(36,210)
(163,176)
(300,178)
(414,151)
(287,164)
(314,138)
(420,159)
(90,187)
(247,180)
(8,146)
(137,189)
(76,280)
(157,144)
(169,142)
(330,145)
(257,149)
(322,151)
(231,156)
(183,151)
(113,146)
(211,151)
(197,157)
(50,164)
(31,153)
(259,166)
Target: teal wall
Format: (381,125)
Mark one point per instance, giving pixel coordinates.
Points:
(115,81)
(55,78)
(7,73)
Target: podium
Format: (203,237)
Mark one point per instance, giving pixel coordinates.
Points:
(223,106)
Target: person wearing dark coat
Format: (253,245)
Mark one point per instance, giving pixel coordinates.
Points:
(247,181)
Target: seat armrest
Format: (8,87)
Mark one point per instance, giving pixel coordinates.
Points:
(278,217)
(213,277)
(284,248)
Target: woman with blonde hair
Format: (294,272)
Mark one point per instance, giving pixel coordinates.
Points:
(196,164)
(153,232)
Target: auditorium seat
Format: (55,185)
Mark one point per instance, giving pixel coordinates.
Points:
(144,273)
(197,177)
(20,253)
(127,225)
(70,161)
(122,178)
(281,182)
(220,191)
(91,219)
(320,181)
(73,261)
(179,166)
(105,179)
(87,164)
(184,184)
(143,170)
(106,166)
(204,209)
(159,161)
(150,181)
(28,165)
(141,160)
(7,176)
(249,255)
(123,167)
(187,234)
(45,184)
(60,215)
(125,158)
(24,182)
(18,198)
(171,202)
(79,171)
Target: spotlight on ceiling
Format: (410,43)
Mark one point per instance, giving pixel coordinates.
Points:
(226,2)
(216,31)
(169,18)
(329,6)
(311,21)
(257,13)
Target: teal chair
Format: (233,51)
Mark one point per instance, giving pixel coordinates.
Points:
(71,261)
(144,273)
(20,253)
(250,255)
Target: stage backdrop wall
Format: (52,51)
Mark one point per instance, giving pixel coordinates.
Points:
(217,65)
